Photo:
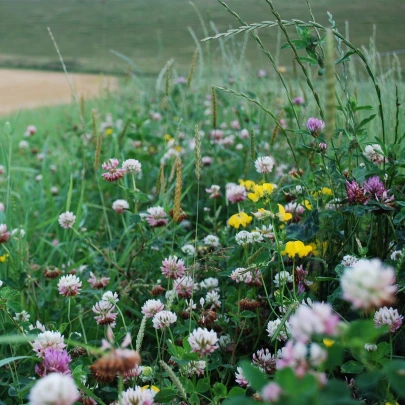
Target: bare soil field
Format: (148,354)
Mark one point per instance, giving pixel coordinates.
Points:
(22,89)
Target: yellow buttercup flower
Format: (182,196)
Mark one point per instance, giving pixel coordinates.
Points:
(284,216)
(296,248)
(150,387)
(307,204)
(327,191)
(319,248)
(239,219)
(3,258)
(108,131)
(328,342)
(178,148)
(248,184)
(261,191)
(167,137)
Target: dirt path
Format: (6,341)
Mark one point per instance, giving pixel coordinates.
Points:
(20,89)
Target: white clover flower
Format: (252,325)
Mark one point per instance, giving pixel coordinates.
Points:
(48,339)
(368,284)
(22,316)
(212,298)
(67,219)
(211,240)
(164,319)
(374,154)
(194,367)
(317,354)
(388,316)
(283,277)
(152,307)
(69,285)
(370,347)
(264,164)
(210,283)
(120,206)
(284,332)
(243,238)
(240,378)
(137,396)
(132,166)
(397,255)
(349,260)
(110,297)
(225,342)
(203,341)
(189,250)
(256,236)
(54,389)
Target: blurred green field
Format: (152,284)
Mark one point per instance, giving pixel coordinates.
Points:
(152,31)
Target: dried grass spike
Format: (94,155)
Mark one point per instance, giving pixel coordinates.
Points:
(197,153)
(168,71)
(214,108)
(174,379)
(330,86)
(192,67)
(177,192)
(97,136)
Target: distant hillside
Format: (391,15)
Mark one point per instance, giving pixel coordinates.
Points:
(153,31)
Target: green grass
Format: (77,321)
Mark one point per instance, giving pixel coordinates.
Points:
(151,32)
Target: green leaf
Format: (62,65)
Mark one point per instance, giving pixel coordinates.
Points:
(236,391)
(187,384)
(303,32)
(336,393)
(239,400)
(361,332)
(256,378)
(11,359)
(203,385)
(219,390)
(135,218)
(298,43)
(399,217)
(365,121)
(194,399)
(165,395)
(352,367)
(9,339)
(395,371)
(63,327)
(312,62)
(345,57)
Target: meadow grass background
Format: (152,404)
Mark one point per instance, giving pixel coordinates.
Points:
(152,31)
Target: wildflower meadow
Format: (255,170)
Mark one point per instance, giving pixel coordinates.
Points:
(231,234)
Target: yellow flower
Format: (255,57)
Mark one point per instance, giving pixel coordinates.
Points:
(178,148)
(261,214)
(296,247)
(167,137)
(284,216)
(327,191)
(328,342)
(307,204)
(248,184)
(3,258)
(150,387)
(108,131)
(239,219)
(262,191)
(319,248)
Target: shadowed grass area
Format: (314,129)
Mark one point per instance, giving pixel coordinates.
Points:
(151,32)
